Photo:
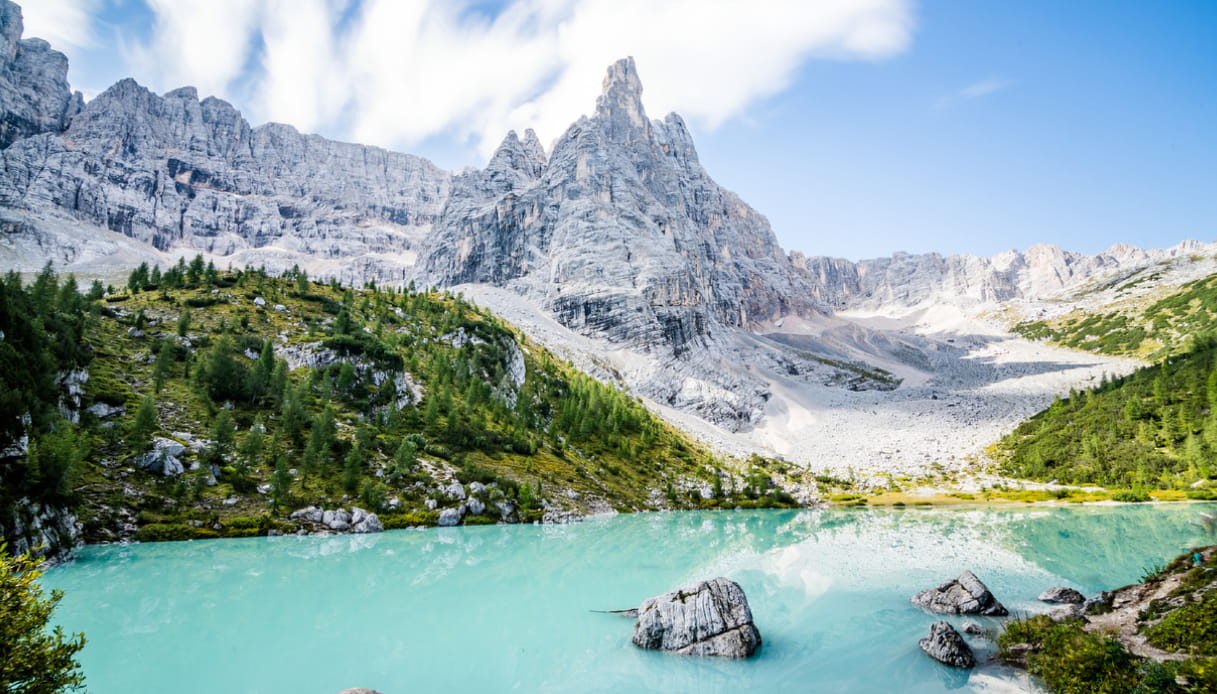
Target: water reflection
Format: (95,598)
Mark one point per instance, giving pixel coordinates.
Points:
(494,608)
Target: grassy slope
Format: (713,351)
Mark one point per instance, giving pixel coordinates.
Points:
(1155,427)
(1153,332)
(559,435)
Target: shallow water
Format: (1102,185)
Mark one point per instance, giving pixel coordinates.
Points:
(501,608)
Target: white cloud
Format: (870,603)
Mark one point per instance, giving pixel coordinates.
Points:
(201,44)
(975,90)
(67,24)
(393,73)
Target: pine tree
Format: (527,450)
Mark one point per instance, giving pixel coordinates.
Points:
(34,657)
(144,425)
(222,437)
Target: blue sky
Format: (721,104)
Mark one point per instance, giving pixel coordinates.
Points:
(859,128)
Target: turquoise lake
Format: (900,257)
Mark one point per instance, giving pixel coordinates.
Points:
(510,608)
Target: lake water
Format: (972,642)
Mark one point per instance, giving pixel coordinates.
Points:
(509,608)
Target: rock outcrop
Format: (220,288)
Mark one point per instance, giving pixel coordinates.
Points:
(620,233)
(185,175)
(1062,595)
(945,645)
(707,618)
(963,595)
(908,280)
(43,529)
(34,93)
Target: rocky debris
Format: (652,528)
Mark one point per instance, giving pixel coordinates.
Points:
(365,522)
(356,520)
(973,629)
(1099,604)
(311,514)
(42,529)
(103,411)
(164,458)
(945,645)
(1062,595)
(1067,612)
(963,595)
(455,491)
(449,517)
(706,618)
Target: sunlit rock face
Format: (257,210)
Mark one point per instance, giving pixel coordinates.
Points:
(904,280)
(620,233)
(180,174)
(33,83)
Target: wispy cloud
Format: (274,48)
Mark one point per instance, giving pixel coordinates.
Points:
(394,73)
(985,87)
(67,24)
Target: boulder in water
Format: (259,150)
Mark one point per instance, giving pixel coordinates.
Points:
(1067,596)
(707,618)
(963,595)
(945,645)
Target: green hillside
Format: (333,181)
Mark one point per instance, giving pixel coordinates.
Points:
(1153,332)
(286,392)
(1156,427)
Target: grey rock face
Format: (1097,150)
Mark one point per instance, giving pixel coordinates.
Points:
(182,174)
(1062,595)
(621,234)
(909,280)
(707,618)
(33,82)
(44,530)
(945,645)
(963,595)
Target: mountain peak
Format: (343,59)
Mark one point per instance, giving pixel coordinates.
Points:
(620,103)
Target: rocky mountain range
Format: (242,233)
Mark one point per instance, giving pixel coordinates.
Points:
(614,247)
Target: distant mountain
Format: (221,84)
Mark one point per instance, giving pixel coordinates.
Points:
(903,281)
(615,248)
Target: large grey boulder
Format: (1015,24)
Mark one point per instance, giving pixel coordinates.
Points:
(707,618)
(310,513)
(963,595)
(945,645)
(366,523)
(1067,596)
(449,517)
(163,459)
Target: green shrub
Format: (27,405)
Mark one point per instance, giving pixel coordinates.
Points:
(396,521)
(1131,496)
(1191,628)
(1071,660)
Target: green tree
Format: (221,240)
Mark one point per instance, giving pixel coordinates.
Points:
(222,437)
(280,482)
(183,322)
(33,658)
(350,469)
(163,365)
(144,425)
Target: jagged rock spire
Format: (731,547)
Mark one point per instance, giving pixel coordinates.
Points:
(619,106)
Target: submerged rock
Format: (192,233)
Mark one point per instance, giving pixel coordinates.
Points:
(707,618)
(1062,595)
(359,690)
(945,645)
(963,595)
